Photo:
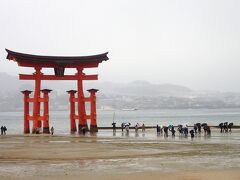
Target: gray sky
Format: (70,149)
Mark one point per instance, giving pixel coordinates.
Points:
(194,43)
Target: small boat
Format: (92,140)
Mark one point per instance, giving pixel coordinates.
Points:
(130,109)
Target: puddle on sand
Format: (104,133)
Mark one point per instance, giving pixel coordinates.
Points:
(11,142)
(59,141)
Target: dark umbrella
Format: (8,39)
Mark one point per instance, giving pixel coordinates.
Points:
(198,124)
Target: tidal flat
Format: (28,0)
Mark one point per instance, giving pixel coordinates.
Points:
(109,155)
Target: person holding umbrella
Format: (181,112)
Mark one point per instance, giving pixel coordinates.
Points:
(165,129)
(114,126)
(171,128)
(192,133)
(185,129)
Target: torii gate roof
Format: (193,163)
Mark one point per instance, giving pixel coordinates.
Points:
(29,60)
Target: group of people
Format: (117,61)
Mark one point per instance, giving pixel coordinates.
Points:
(225,127)
(206,128)
(164,130)
(137,126)
(183,129)
(126,127)
(3,130)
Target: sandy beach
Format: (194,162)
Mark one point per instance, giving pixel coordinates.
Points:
(117,156)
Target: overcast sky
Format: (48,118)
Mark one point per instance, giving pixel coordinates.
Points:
(195,43)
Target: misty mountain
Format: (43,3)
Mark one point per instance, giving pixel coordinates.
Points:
(137,94)
(11,84)
(137,88)
(142,88)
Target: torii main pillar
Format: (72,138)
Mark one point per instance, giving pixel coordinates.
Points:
(81,102)
(36,101)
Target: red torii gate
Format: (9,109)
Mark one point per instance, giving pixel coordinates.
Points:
(59,63)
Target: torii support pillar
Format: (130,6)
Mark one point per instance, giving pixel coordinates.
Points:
(46,110)
(26,111)
(93,115)
(73,128)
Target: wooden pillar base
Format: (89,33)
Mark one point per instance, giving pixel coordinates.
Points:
(93,128)
(26,131)
(46,130)
(93,116)
(82,129)
(34,131)
(73,131)
(39,124)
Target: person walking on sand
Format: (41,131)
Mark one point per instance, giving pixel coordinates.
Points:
(165,129)
(1,130)
(122,126)
(161,129)
(230,125)
(143,127)
(136,127)
(158,129)
(114,126)
(52,130)
(192,133)
(221,127)
(173,131)
(4,130)
(199,127)
(195,128)
(127,126)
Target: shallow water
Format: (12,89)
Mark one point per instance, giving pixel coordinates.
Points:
(60,119)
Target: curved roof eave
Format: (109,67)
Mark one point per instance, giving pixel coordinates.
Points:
(16,56)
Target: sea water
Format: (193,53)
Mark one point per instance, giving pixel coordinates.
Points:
(61,123)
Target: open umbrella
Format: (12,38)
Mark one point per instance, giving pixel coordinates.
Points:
(170,126)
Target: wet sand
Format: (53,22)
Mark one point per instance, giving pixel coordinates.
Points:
(117,156)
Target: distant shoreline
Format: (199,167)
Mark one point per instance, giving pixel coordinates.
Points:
(135,110)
